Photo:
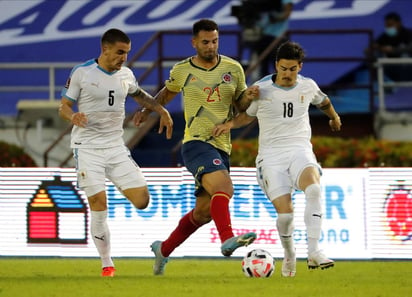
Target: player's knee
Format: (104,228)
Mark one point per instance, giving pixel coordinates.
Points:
(97,201)
(97,205)
(313,191)
(203,219)
(285,224)
(285,218)
(218,181)
(142,202)
(202,215)
(139,198)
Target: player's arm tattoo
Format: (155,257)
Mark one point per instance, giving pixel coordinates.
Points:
(241,103)
(328,109)
(145,99)
(325,107)
(162,97)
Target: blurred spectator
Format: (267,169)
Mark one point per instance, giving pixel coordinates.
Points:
(273,24)
(394,42)
(262,21)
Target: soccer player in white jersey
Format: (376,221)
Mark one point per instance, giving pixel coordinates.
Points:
(99,87)
(285,158)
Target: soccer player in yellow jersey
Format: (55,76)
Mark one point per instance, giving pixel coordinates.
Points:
(213,86)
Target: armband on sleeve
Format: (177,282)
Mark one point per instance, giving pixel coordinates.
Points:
(326,106)
(136,93)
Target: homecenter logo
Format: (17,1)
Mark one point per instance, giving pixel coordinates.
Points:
(33,21)
(56,213)
(41,213)
(248,203)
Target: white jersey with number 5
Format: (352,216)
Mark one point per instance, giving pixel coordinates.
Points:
(283,113)
(101,95)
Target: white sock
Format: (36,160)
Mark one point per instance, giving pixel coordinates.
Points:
(286,227)
(313,216)
(101,236)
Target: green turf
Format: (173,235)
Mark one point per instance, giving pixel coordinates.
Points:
(210,278)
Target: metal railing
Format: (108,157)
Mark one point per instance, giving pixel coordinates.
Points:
(384,84)
(383,115)
(52,87)
(50,67)
(163,61)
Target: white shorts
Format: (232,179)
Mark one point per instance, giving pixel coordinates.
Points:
(93,166)
(279,174)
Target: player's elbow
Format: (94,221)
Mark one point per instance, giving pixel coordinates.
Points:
(61,110)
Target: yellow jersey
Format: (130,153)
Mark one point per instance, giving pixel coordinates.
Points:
(208,97)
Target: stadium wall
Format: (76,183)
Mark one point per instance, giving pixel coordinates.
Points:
(367,214)
(69,31)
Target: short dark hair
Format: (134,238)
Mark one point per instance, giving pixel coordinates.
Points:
(290,51)
(204,25)
(393,16)
(112,36)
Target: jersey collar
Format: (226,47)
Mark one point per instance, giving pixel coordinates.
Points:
(104,70)
(205,69)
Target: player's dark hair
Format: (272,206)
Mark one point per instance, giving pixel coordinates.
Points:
(112,36)
(204,25)
(290,51)
(393,16)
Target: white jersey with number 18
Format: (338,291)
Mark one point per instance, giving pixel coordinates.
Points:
(283,113)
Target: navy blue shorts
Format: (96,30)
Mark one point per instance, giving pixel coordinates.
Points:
(200,157)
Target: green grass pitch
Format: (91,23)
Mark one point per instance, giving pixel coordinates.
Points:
(64,277)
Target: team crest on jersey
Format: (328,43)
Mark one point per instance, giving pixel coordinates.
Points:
(227,78)
(301,98)
(217,161)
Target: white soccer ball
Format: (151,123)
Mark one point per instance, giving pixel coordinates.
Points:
(258,263)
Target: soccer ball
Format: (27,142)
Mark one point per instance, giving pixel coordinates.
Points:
(258,263)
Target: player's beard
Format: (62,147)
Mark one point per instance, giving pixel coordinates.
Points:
(209,56)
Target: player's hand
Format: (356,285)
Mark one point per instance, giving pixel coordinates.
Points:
(222,129)
(140,116)
(79,119)
(252,93)
(335,123)
(166,121)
